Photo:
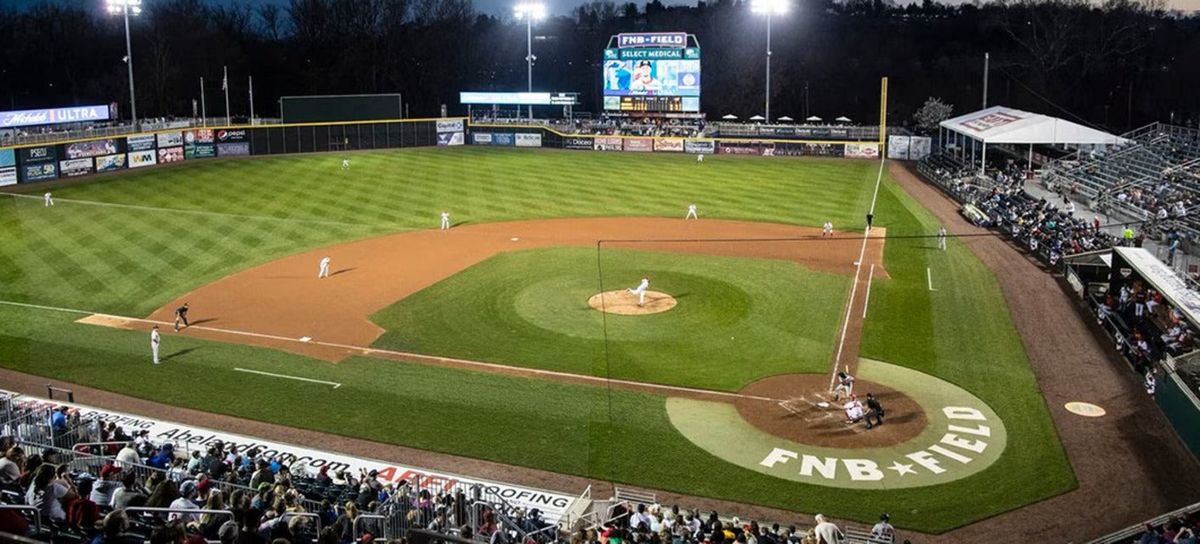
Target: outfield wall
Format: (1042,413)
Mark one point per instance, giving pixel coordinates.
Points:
(505,135)
(75,158)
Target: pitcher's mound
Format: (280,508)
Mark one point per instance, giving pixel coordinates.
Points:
(625,303)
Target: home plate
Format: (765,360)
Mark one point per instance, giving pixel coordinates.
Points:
(305,338)
(823,404)
(514,238)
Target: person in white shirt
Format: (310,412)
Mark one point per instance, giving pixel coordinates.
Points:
(10,465)
(826,532)
(854,410)
(640,290)
(942,238)
(345,164)
(324,271)
(883,532)
(155,340)
(445,220)
(128,456)
(187,493)
(691,214)
(640,517)
(827,229)
(47,200)
(700,157)
(845,385)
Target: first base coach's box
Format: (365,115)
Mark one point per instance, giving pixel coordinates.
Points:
(44,162)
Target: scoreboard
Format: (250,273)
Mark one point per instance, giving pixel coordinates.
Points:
(652,72)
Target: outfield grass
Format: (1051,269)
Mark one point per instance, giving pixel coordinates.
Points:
(529,308)
(125,260)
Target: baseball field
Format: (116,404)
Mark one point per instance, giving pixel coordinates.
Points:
(489,340)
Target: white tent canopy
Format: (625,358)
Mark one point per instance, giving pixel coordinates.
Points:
(1002,125)
(758,118)
(785,119)
(729,117)
(813,118)
(843,119)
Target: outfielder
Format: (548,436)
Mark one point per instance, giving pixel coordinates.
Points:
(827,229)
(445,220)
(699,158)
(691,212)
(181,316)
(48,200)
(154,341)
(942,238)
(345,164)
(324,272)
(845,385)
(640,290)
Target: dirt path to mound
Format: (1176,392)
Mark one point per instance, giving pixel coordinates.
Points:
(278,303)
(1130,465)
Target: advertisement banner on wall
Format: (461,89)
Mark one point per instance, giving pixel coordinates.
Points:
(525,139)
(94,148)
(44,153)
(668,144)
(140,143)
(170,154)
(138,159)
(918,147)
(8,167)
(230,135)
(39,171)
(785,149)
(455,125)
(170,139)
(110,162)
(740,148)
(609,144)
(236,149)
(481,138)
(451,138)
(862,151)
(577,143)
(76,167)
(639,144)
(501,138)
(898,147)
(198,144)
(699,146)
(824,150)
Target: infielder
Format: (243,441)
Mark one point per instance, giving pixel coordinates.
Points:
(691,212)
(181,316)
(445,220)
(640,290)
(942,238)
(324,272)
(845,385)
(827,229)
(154,341)
(48,200)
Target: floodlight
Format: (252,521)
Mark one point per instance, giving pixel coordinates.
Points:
(533,10)
(116,7)
(769,7)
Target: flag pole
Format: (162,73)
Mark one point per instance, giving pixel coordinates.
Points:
(251,100)
(203,106)
(225,87)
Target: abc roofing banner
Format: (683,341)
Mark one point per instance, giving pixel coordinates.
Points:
(668,144)
(862,151)
(552,504)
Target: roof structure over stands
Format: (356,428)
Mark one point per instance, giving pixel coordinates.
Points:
(1004,125)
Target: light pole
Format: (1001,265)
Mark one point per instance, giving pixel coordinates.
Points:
(530,11)
(769,8)
(124,7)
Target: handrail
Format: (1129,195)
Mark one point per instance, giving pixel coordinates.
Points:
(354,525)
(156,510)
(285,515)
(37,515)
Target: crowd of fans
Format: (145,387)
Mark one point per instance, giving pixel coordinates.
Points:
(1000,200)
(1147,326)
(1179,530)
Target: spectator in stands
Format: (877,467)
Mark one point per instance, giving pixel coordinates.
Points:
(115,526)
(171,533)
(165,492)
(345,522)
(130,494)
(826,532)
(32,463)
(210,524)
(228,532)
(128,456)
(11,464)
(108,484)
(249,529)
(163,457)
(185,501)
(82,512)
(47,494)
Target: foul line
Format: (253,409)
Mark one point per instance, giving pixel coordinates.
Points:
(854,286)
(867,300)
(297,378)
(194,212)
(929,276)
(418,357)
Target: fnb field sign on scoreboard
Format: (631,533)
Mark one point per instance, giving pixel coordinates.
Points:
(652,72)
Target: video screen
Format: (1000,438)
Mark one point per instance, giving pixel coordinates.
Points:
(646,77)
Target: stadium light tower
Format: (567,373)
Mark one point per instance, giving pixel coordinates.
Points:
(769,8)
(530,11)
(125,8)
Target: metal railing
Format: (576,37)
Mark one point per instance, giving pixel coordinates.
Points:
(36,515)
(381,521)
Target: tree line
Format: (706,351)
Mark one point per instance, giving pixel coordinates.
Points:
(1117,65)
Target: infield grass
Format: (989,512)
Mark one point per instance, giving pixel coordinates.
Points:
(125,260)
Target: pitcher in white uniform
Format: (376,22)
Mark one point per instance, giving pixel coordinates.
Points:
(640,290)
